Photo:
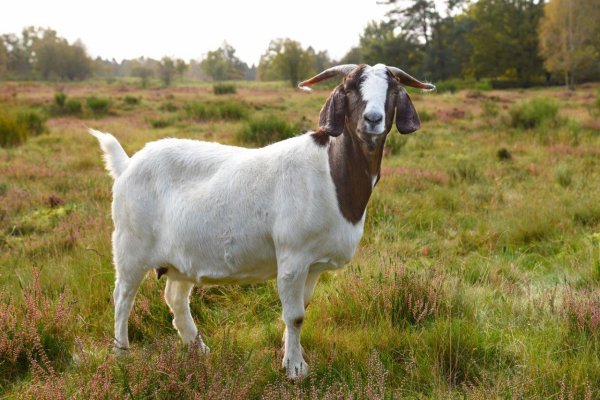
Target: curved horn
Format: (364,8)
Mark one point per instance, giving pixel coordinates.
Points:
(338,70)
(408,80)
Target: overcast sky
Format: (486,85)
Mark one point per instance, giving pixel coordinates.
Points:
(189,29)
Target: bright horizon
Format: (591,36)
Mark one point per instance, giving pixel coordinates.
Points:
(187,30)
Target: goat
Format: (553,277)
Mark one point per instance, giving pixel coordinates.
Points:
(205,213)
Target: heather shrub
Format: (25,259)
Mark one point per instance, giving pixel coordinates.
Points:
(224,88)
(533,113)
(227,110)
(37,331)
(581,310)
(401,297)
(266,130)
(17,125)
(98,105)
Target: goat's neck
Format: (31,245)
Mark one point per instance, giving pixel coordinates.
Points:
(355,168)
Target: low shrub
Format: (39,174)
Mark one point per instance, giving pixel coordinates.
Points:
(60,99)
(446,86)
(224,88)
(98,105)
(131,100)
(229,110)
(266,130)
(73,106)
(37,336)
(168,107)
(395,142)
(530,114)
(161,123)
(17,125)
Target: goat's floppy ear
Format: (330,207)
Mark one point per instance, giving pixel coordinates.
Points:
(407,119)
(333,113)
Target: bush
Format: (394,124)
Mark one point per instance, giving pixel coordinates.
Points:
(131,100)
(224,88)
(395,142)
(168,106)
(59,99)
(17,126)
(98,105)
(532,113)
(161,123)
(73,106)
(446,87)
(266,130)
(230,110)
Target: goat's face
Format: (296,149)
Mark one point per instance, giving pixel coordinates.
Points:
(365,103)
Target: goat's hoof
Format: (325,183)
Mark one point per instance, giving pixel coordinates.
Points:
(295,370)
(199,346)
(120,351)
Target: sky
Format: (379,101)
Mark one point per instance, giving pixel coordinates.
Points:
(189,29)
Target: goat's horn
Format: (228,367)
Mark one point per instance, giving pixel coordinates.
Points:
(338,70)
(408,80)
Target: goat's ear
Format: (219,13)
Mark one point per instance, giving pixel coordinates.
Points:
(407,119)
(333,113)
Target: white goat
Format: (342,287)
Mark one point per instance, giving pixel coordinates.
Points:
(204,213)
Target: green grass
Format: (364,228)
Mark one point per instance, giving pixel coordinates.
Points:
(478,275)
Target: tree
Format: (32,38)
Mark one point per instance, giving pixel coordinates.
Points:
(222,64)
(504,39)
(180,67)
(166,70)
(569,31)
(285,59)
(143,70)
(3,59)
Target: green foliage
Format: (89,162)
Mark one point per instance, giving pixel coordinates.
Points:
(161,122)
(17,125)
(59,99)
(450,86)
(285,59)
(224,88)
(73,106)
(131,100)
(98,105)
(166,70)
(230,110)
(395,142)
(530,114)
(222,64)
(266,130)
(169,106)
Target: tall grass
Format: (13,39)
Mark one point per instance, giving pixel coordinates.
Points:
(17,125)
(529,114)
(227,110)
(267,130)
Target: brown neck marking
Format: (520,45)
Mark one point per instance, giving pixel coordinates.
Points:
(354,169)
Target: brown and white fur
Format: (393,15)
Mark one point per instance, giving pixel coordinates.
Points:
(204,213)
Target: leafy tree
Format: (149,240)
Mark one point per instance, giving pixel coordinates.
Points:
(144,71)
(166,70)
(180,67)
(285,59)
(3,59)
(504,39)
(569,33)
(222,64)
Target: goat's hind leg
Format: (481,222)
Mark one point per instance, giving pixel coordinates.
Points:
(177,296)
(126,286)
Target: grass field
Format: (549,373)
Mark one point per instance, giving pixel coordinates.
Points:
(478,275)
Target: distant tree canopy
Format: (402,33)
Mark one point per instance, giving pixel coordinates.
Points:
(495,39)
(42,54)
(222,64)
(510,42)
(570,38)
(285,59)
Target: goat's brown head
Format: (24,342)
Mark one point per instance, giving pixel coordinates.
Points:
(365,102)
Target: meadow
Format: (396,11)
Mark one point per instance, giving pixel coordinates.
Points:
(478,275)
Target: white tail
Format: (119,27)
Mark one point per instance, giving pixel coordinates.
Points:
(114,156)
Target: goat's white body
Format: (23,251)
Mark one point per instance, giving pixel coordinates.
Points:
(223,214)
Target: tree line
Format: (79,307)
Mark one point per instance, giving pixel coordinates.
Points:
(511,42)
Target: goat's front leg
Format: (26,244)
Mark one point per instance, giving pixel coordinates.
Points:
(291,278)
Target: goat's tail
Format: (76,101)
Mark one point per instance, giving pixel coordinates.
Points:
(115,158)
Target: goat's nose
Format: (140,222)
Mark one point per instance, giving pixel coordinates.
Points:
(373,117)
